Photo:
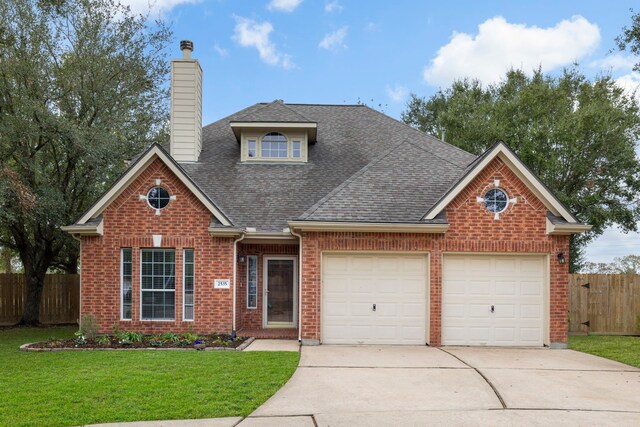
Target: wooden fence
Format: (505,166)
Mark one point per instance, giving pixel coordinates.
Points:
(60,299)
(607,304)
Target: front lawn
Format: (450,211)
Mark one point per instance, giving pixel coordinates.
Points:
(622,349)
(83,387)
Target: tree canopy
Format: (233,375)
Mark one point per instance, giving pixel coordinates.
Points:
(578,135)
(629,264)
(83,88)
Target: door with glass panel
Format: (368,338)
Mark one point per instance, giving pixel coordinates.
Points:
(280,289)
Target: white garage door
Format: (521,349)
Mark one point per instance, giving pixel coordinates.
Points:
(374,299)
(493,300)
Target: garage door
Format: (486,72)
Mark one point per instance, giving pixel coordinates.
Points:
(493,300)
(374,299)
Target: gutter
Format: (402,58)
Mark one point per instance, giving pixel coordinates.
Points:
(84,230)
(299,236)
(568,228)
(378,227)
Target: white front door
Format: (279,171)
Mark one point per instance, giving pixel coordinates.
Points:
(493,300)
(280,291)
(370,298)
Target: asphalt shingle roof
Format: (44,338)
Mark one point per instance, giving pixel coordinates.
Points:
(365,166)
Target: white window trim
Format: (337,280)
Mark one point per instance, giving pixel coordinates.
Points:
(122,284)
(256,261)
(257,136)
(184,304)
(152,290)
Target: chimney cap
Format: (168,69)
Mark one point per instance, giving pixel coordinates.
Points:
(186,44)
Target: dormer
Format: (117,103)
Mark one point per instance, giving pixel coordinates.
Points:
(274,133)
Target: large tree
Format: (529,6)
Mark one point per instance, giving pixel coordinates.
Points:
(82,89)
(578,135)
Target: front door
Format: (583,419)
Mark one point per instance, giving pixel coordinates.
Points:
(280,291)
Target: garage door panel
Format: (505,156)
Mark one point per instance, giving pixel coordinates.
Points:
(506,287)
(514,285)
(395,283)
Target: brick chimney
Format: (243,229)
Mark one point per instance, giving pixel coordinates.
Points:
(186,106)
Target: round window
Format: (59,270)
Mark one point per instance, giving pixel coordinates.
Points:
(158,197)
(496,200)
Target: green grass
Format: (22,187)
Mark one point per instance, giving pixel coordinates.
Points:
(622,349)
(82,387)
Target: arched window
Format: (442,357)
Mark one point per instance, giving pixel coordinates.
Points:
(274,145)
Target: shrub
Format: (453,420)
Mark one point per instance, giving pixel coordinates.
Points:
(88,327)
(103,340)
(155,341)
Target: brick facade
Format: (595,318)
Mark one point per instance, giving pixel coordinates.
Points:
(520,229)
(130,223)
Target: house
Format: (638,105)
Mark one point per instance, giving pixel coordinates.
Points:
(327,223)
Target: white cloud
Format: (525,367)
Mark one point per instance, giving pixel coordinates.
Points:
(630,83)
(614,62)
(284,5)
(333,6)
(249,33)
(220,50)
(500,45)
(334,40)
(397,92)
(160,6)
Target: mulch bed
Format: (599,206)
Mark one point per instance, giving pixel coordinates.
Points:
(207,342)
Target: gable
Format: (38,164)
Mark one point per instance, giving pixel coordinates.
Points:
(508,157)
(154,153)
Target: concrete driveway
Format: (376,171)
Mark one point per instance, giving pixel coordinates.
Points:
(380,386)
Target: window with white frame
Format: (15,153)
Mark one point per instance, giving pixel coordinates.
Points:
(274,147)
(188,276)
(158,284)
(252,281)
(125,283)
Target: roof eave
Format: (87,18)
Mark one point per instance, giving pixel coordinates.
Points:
(376,227)
(84,230)
(567,228)
(226,231)
(310,127)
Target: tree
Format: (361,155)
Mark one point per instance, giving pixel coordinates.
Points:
(630,38)
(629,264)
(579,136)
(82,89)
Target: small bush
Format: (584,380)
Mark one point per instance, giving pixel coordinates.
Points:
(88,327)
(103,340)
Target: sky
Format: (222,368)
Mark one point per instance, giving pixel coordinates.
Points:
(379,52)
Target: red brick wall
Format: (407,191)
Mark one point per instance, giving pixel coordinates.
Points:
(130,223)
(521,228)
(252,318)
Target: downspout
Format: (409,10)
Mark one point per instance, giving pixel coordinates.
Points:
(235,273)
(299,236)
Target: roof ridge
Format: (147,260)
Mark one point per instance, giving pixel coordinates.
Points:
(349,180)
(420,132)
(423,148)
(232,114)
(278,103)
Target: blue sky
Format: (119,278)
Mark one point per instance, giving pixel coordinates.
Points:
(341,51)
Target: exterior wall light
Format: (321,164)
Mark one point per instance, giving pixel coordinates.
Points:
(240,258)
(561,259)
